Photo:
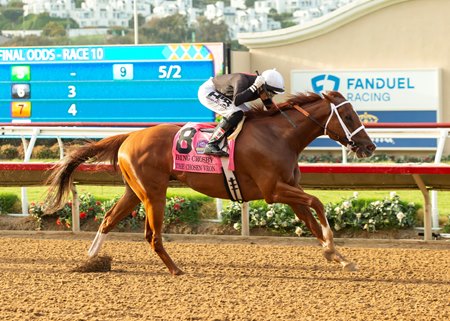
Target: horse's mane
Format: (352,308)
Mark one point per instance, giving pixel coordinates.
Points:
(299,99)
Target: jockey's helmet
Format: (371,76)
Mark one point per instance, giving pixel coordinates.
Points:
(274,81)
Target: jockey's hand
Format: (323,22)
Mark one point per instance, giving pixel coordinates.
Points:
(259,81)
(258,84)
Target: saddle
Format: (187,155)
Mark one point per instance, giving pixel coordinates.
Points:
(188,154)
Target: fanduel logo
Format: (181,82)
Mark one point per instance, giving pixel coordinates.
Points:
(325,82)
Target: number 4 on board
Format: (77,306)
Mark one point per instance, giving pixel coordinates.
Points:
(72,110)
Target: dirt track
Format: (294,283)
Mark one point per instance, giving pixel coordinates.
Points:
(226,279)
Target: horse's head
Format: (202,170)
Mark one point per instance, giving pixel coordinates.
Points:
(343,125)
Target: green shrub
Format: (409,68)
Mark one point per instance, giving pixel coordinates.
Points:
(177,210)
(275,217)
(446,228)
(371,215)
(44,152)
(8,203)
(181,210)
(352,213)
(9,152)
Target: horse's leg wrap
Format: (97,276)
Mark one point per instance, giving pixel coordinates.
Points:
(97,244)
(115,214)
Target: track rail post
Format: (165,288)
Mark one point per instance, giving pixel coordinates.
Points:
(427,215)
(75,209)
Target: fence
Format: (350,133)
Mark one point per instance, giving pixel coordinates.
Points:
(314,176)
(438,131)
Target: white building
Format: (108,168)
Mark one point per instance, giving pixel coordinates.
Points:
(93,13)
(55,8)
(239,18)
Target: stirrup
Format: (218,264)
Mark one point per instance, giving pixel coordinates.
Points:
(214,150)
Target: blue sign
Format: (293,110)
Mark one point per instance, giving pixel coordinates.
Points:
(380,96)
(111,84)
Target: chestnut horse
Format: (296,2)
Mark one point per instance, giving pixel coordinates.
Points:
(266,166)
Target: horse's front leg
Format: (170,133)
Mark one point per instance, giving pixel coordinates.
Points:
(300,203)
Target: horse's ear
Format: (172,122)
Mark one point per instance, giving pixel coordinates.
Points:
(326,97)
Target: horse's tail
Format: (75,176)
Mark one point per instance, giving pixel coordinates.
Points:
(61,178)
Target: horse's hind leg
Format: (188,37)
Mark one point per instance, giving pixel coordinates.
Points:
(116,213)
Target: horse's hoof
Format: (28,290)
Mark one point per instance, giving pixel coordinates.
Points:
(177,272)
(350,267)
(328,254)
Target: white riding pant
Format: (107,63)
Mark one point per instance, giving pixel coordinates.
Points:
(217,102)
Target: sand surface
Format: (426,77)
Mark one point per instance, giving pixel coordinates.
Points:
(226,279)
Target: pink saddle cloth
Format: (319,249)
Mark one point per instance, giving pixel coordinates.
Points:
(189,146)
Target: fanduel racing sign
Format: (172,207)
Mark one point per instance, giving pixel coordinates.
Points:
(384,96)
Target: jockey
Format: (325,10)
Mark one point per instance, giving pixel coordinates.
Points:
(227,96)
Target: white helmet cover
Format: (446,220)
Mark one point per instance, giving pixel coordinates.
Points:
(274,81)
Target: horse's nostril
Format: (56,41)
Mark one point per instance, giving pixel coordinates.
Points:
(371,147)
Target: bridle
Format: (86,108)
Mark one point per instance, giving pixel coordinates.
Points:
(334,111)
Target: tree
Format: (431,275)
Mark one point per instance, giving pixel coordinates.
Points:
(14,15)
(53,29)
(141,21)
(207,31)
(39,21)
(169,29)
(249,3)
(285,18)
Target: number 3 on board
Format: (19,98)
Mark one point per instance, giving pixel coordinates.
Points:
(72,110)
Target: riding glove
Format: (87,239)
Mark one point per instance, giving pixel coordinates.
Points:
(259,81)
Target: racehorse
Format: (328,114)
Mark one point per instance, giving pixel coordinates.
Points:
(266,166)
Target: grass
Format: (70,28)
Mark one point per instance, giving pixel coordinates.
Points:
(36,194)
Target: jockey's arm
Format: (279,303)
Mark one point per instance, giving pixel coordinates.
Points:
(266,99)
(244,91)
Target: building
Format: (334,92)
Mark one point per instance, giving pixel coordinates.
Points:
(239,18)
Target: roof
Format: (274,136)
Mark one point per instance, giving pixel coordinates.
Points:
(316,27)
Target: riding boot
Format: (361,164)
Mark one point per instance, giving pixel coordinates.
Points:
(212,148)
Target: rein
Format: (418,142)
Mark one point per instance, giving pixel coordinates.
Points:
(334,109)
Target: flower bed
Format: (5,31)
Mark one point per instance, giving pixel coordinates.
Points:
(349,214)
(182,216)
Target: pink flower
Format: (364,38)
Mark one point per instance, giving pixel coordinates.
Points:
(58,221)
(133,214)
(176,207)
(67,224)
(98,203)
(83,215)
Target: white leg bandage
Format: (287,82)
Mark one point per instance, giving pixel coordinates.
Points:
(96,244)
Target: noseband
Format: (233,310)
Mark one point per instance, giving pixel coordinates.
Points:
(348,134)
(334,111)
